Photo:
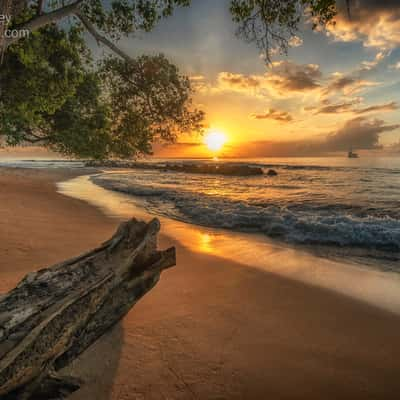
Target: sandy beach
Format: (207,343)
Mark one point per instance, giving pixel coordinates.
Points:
(211,328)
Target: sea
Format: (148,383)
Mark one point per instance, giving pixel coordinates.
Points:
(338,207)
(348,207)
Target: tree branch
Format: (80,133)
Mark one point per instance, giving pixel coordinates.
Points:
(43,20)
(39,10)
(101,39)
(35,140)
(348,8)
(54,16)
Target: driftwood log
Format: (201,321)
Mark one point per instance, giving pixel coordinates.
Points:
(56,313)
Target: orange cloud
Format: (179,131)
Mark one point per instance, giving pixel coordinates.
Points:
(327,107)
(387,107)
(360,133)
(239,82)
(295,41)
(347,84)
(285,78)
(281,116)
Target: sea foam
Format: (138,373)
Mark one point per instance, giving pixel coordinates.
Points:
(300,219)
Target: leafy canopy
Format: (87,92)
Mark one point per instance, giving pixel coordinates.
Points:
(53,94)
(117,109)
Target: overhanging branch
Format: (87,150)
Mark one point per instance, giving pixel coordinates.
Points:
(43,20)
(39,10)
(100,38)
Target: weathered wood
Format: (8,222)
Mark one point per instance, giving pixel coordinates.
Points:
(54,314)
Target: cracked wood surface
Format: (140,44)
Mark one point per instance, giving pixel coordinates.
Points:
(54,314)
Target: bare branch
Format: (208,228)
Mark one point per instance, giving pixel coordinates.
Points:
(99,38)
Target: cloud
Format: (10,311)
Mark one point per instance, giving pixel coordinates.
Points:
(395,66)
(347,84)
(240,82)
(367,66)
(360,133)
(394,147)
(277,115)
(352,107)
(386,107)
(376,23)
(333,108)
(283,79)
(288,79)
(198,83)
(289,76)
(295,41)
(197,78)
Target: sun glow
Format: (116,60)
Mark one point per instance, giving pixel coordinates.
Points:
(215,140)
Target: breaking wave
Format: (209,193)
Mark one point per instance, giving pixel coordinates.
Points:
(283,209)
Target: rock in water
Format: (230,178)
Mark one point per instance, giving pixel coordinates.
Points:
(216,169)
(55,314)
(227,169)
(272,172)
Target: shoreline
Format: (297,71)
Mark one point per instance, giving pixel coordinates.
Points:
(375,286)
(211,328)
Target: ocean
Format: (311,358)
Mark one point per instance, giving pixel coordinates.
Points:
(344,207)
(336,207)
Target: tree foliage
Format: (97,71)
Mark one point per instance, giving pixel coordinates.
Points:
(114,109)
(149,100)
(52,93)
(37,76)
(270,24)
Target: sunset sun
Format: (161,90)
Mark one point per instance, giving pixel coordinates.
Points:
(215,140)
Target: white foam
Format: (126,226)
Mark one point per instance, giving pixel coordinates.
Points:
(305,225)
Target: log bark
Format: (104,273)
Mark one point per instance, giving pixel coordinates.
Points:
(55,314)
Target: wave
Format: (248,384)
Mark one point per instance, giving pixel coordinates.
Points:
(338,225)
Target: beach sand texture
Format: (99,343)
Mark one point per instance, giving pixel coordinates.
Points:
(211,328)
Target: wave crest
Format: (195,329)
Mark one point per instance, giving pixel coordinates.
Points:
(303,224)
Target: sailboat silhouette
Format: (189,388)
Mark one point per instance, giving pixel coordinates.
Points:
(351,154)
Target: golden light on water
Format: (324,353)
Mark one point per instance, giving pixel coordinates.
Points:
(215,140)
(205,243)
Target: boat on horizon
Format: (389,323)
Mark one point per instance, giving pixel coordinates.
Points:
(351,154)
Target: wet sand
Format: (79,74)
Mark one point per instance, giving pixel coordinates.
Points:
(211,328)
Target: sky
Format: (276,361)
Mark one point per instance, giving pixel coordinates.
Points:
(337,88)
